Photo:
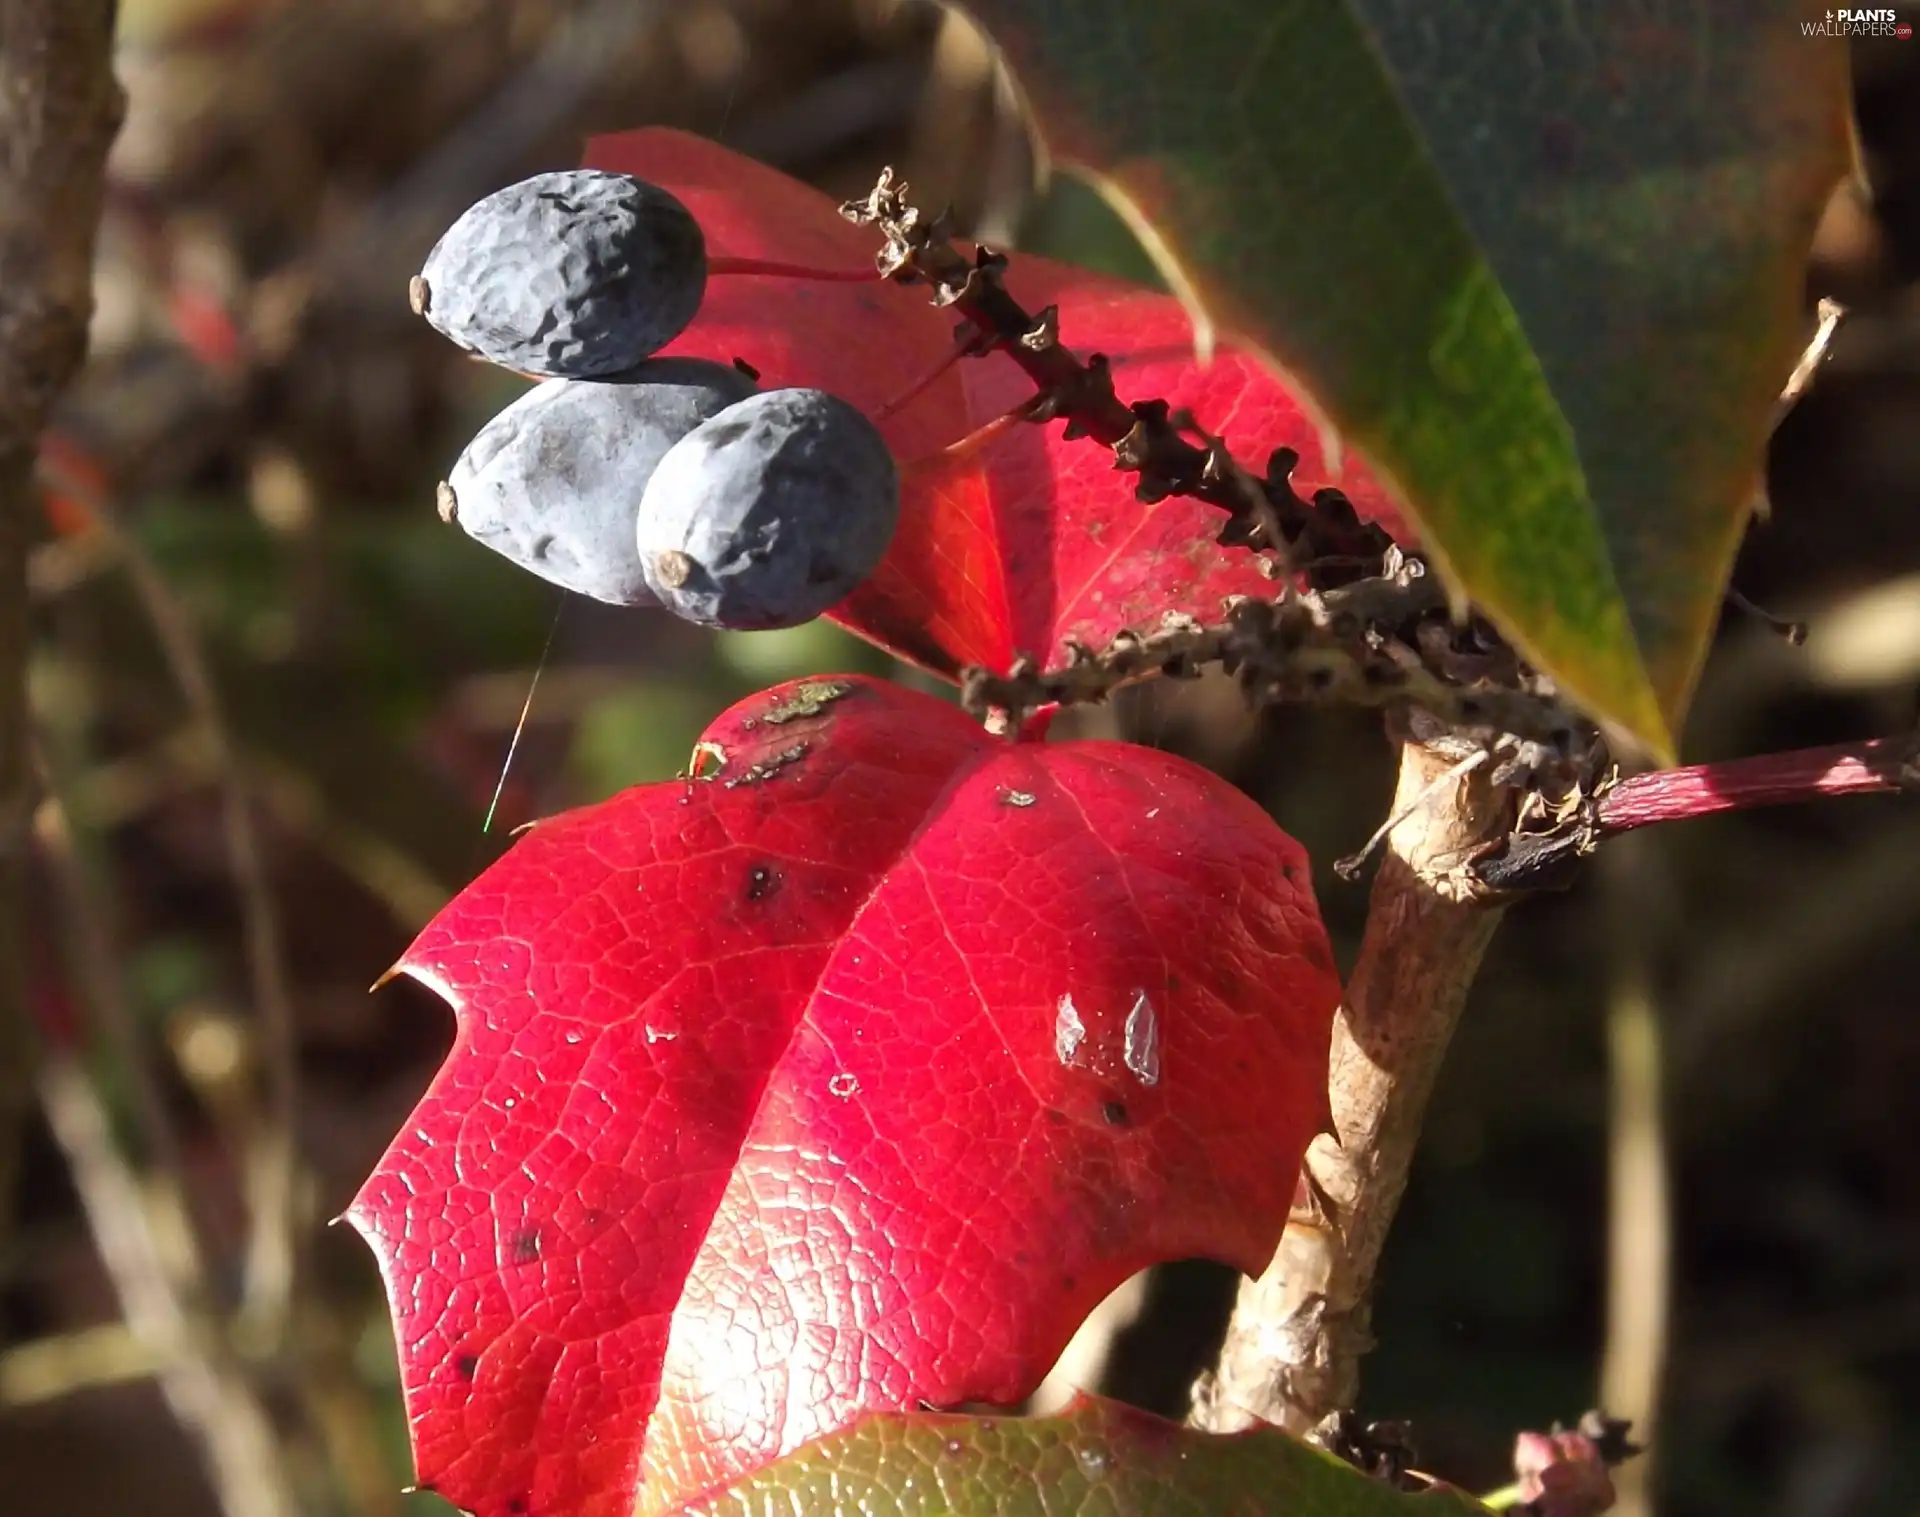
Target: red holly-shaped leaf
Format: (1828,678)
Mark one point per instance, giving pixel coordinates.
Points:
(846,1076)
(1025,539)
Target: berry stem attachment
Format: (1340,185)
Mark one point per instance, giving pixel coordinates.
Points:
(767,268)
(965,345)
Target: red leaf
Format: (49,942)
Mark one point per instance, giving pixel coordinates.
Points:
(1028,540)
(807,1087)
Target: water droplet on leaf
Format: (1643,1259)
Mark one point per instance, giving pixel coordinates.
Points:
(1068,1030)
(844,1085)
(1143,1041)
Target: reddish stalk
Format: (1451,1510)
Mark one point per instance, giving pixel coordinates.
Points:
(985,433)
(1883,766)
(966,347)
(1544,859)
(773,269)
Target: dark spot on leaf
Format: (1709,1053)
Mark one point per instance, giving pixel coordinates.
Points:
(517,1505)
(1289,873)
(1318,952)
(762,881)
(468,1365)
(1069,1283)
(1115,1113)
(526,1246)
(595,1218)
(1056,1117)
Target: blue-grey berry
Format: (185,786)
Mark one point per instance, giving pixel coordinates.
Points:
(770,513)
(554,482)
(573,275)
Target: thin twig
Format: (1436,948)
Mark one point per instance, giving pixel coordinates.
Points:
(1639,1242)
(1795,632)
(111,1016)
(1832,313)
(159,1274)
(46,1369)
(271,1167)
(114,793)
(204,1390)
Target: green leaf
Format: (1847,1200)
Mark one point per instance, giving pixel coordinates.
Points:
(1543,263)
(1097,1459)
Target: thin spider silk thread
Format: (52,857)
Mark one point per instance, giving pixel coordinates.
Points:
(526,708)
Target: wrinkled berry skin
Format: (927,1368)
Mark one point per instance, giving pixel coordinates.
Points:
(554,482)
(573,275)
(770,513)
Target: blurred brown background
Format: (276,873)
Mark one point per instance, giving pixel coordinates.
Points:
(267,421)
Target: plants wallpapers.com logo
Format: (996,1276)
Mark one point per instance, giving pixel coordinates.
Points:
(1858,23)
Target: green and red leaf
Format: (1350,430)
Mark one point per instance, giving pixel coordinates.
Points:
(1097,1456)
(1542,265)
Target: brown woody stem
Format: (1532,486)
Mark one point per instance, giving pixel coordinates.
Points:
(59,110)
(1293,1347)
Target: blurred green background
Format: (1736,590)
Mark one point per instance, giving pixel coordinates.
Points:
(268,421)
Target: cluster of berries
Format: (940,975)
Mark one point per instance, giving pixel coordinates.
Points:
(634,479)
